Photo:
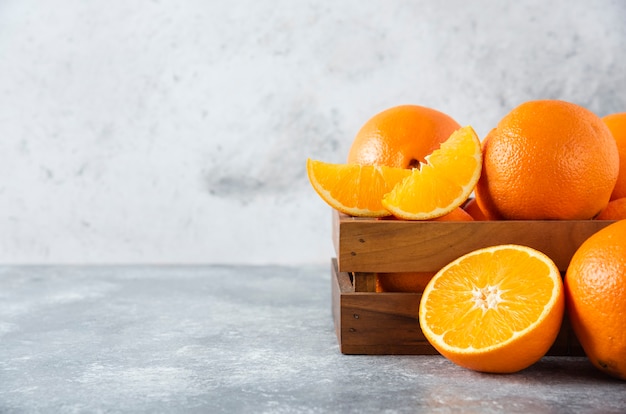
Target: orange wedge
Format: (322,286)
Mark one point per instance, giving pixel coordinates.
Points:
(441,184)
(497,309)
(354,189)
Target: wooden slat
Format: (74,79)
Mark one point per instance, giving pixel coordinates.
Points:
(376,323)
(375,245)
(336,292)
(566,342)
(364,282)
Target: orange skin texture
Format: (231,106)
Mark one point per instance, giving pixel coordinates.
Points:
(545,160)
(401,136)
(458,214)
(615,210)
(595,293)
(617,125)
(482,197)
(473,209)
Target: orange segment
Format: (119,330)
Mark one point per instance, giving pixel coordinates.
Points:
(354,189)
(443,183)
(497,309)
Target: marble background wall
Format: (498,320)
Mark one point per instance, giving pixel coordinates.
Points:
(177,131)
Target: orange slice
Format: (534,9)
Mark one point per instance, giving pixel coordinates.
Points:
(443,183)
(354,189)
(497,309)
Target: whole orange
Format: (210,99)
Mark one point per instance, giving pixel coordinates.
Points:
(615,210)
(401,136)
(595,293)
(473,209)
(617,126)
(548,159)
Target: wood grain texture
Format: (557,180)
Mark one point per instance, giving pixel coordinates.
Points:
(376,323)
(387,245)
(364,281)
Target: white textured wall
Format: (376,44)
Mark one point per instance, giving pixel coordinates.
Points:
(177,131)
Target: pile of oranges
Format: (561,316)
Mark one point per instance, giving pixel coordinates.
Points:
(499,309)
(545,160)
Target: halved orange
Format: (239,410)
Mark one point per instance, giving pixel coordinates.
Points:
(497,309)
(354,189)
(443,183)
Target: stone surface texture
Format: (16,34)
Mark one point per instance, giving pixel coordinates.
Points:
(236,339)
(158,131)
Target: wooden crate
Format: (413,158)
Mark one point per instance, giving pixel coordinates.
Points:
(370,322)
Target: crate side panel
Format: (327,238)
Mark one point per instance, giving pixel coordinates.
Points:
(336,299)
(369,245)
(381,319)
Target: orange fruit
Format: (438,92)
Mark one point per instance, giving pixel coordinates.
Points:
(615,210)
(617,126)
(442,183)
(472,208)
(497,309)
(548,159)
(401,136)
(458,214)
(595,291)
(354,189)
(484,207)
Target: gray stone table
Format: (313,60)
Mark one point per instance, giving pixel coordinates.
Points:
(236,340)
